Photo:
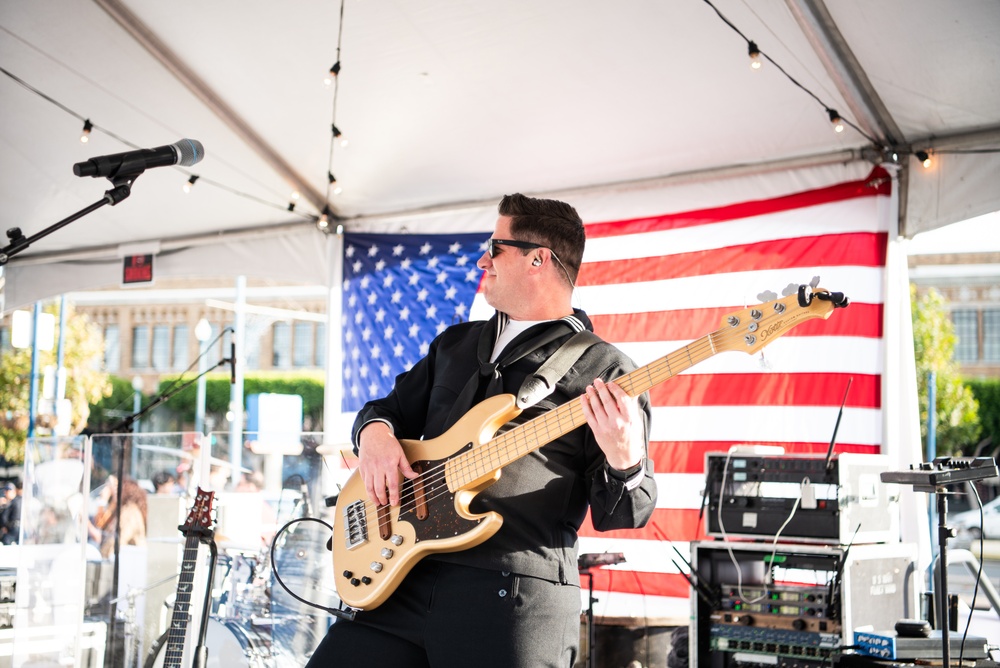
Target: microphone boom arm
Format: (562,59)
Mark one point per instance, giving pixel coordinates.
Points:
(18,242)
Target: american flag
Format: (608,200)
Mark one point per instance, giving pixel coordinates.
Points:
(401,291)
(654,284)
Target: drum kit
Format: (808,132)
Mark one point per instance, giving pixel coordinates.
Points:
(254,623)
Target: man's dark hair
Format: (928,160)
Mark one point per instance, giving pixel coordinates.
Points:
(551,223)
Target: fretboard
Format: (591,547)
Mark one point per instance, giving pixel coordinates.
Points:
(533,434)
(174,653)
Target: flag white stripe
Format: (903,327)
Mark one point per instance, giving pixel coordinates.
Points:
(842,217)
(778,424)
(679,491)
(801,354)
(650,556)
(728,290)
(654,610)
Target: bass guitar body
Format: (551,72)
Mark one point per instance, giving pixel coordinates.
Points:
(374,546)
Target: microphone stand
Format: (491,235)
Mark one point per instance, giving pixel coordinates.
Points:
(18,242)
(124,426)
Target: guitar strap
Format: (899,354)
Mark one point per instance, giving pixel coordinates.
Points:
(491,372)
(542,383)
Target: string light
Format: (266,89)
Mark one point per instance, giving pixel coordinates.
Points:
(332,74)
(87,127)
(754,52)
(324,220)
(291,206)
(295,195)
(337,134)
(925,158)
(836,120)
(331,178)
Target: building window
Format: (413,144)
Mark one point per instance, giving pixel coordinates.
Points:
(180,348)
(320,345)
(112,349)
(991,335)
(140,347)
(282,348)
(4,338)
(302,345)
(161,347)
(252,356)
(967,331)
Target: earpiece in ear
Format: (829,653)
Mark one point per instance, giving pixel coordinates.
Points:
(537,262)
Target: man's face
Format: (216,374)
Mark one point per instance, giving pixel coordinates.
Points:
(503,280)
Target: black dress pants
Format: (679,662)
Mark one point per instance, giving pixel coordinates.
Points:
(449,616)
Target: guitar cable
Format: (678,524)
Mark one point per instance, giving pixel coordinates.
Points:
(341,613)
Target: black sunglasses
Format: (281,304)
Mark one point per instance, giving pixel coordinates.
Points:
(491,245)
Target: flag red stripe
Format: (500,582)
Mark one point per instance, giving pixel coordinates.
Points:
(637,582)
(863,320)
(876,183)
(769,389)
(862,249)
(689,456)
(665,524)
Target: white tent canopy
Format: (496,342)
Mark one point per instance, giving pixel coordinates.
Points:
(448,106)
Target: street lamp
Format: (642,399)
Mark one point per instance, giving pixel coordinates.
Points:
(136,401)
(202,332)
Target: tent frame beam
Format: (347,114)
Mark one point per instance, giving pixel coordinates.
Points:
(185,75)
(844,69)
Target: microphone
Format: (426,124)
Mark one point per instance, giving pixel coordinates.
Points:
(186,152)
(232,362)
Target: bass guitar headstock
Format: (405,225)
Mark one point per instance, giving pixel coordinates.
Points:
(753,328)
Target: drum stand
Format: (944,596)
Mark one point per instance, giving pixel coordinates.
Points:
(131,630)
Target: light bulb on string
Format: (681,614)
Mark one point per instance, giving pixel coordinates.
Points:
(925,158)
(337,134)
(836,120)
(85,135)
(332,74)
(295,195)
(190,183)
(324,220)
(338,190)
(754,53)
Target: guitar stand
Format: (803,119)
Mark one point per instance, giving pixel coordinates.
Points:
(201,649)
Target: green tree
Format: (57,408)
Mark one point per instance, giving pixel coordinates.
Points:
(84,383)
(934,346)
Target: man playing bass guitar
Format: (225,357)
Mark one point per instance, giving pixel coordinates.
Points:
(513,599)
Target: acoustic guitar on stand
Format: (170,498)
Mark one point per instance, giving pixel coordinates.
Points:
(375,546)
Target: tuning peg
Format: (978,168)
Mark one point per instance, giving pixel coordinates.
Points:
(767,296)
